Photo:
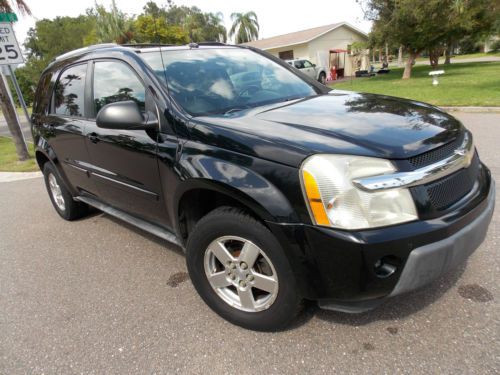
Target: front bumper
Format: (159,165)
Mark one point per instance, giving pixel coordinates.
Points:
(336,268)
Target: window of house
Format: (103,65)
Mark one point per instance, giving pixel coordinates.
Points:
(286,55)
(69,92)
(116,82)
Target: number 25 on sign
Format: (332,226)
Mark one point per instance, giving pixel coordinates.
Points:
(10,53)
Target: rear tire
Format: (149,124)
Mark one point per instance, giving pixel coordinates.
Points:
(241,272)
(60,196)
(322,78)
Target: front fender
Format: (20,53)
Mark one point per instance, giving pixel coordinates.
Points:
(244,178)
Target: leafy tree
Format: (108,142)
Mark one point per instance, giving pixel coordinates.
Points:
(471,20)
(113,26)
(205,27)
(196,25)
(420,25)
(417,25)
(149,29)
(245,27)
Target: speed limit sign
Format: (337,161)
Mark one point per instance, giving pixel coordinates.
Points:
(10,53)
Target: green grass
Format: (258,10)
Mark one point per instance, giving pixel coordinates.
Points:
(20,113)
(466,56)
(9,161)
(467,84)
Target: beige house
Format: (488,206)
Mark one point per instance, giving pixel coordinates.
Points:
(316,44)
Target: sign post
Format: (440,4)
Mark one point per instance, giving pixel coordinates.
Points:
(10,54)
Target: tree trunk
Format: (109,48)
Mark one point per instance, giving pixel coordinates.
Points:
(447,53)
(409,65)
(380,55)
(400,56)
(373,55)
(386,53)
(9,112)
(434,57)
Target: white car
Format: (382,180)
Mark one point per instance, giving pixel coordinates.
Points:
(307,67)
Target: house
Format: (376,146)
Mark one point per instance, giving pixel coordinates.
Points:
(315,44)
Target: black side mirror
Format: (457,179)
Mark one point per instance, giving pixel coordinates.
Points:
(314,65)
(125,115)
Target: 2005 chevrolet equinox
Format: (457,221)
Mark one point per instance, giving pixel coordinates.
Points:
(279,189)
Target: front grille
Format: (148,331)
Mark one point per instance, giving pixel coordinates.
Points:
(450,189)
(440,153)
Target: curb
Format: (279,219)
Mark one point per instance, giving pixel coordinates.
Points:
(472,109)
(17,176)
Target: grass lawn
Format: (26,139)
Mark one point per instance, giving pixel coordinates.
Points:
(467,84)
(466,56)
(9,161)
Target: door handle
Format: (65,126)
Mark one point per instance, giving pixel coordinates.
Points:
(93,137)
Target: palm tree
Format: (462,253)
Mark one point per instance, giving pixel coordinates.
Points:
(8,110)
(6,6)
(245,27)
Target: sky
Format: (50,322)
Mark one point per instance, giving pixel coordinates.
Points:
(275,17)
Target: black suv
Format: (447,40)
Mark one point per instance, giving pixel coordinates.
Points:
(279,189)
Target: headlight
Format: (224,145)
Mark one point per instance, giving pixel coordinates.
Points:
(334,201)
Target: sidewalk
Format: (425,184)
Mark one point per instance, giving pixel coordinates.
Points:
(16,176)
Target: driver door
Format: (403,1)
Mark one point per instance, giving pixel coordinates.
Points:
(124,162)
(309,69)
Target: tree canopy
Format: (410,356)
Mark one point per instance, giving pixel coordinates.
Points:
(423,25)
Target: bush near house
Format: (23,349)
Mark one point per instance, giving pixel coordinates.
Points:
(466,84)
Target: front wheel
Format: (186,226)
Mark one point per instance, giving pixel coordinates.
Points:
(239,269)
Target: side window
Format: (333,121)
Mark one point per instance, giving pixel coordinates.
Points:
(42,95)
(69,92)
(307,64)
(116,82)
(299,64)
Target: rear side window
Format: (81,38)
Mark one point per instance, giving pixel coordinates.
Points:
(42,95)
(69,92)
(115,82)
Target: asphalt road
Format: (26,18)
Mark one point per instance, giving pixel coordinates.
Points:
(97,296)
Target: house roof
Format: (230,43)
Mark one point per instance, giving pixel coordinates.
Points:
(299,37)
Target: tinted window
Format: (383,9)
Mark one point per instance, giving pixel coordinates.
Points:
(42,95)
(116,82)
(224,80)
(69,92)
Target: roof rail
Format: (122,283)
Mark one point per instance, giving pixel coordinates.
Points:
(83,50)
(212,44)
(146,45)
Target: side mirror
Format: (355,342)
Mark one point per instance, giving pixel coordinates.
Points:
(125,115)
(314,65)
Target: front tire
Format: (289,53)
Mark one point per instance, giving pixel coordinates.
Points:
(60,197)
(241,272)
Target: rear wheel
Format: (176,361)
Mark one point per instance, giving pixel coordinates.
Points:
(60,197)
(239,269)
(322,78)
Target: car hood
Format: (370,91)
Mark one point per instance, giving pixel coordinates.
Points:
(339,122)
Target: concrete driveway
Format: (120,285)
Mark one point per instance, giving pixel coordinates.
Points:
(99,297)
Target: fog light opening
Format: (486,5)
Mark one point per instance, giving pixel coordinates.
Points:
(386,266)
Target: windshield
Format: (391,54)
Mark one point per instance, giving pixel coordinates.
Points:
(224,80)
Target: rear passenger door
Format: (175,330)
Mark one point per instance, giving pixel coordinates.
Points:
(64,126)
(124,162)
